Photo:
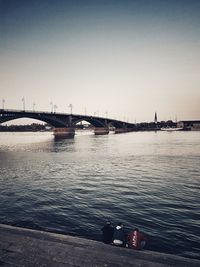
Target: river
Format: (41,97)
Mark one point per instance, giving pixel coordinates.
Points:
(148,180)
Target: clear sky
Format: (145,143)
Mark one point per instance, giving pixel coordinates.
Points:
(127,58)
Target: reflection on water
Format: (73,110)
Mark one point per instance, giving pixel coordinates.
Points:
(147,180)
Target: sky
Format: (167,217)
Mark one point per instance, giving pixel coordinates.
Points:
(119,58)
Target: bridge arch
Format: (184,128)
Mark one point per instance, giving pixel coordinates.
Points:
(23,121)
(44,117)
(93,121)
(117,124)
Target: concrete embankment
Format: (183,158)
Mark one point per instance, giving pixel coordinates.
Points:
(24,247)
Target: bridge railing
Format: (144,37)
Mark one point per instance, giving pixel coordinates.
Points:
(34,111)
(48,112)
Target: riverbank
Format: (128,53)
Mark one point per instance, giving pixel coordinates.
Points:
(25,247)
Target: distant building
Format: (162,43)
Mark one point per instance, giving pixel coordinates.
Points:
(192,125)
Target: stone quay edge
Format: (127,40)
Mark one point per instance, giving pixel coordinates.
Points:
(30,248)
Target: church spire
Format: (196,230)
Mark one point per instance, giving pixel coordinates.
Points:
(155,118)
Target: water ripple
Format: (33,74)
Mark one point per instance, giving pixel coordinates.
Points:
(146,180)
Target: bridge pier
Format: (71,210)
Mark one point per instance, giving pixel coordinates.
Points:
(65,132)
(120,130)
(101,130)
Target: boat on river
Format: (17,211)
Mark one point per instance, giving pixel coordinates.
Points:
(171,129)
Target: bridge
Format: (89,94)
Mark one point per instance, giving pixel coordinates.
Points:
(64,123)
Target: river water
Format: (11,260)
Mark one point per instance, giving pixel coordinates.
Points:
(147,180)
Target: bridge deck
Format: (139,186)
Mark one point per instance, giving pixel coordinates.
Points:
(24,247)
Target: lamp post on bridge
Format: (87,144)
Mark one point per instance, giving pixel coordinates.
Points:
(3,102)
(51,104)
(33,106)
(23,101)
(55,107)
(71,107)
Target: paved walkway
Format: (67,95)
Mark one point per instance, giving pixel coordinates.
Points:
(24,247)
